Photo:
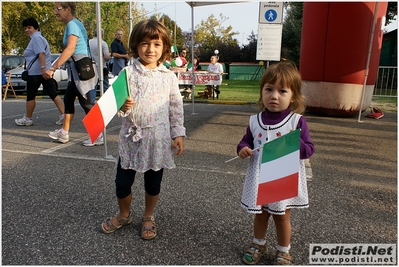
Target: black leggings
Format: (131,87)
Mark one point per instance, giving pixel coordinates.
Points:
(125,179)
(33,84)
(70,96)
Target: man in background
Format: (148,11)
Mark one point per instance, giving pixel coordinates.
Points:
(119,53)
(93,43)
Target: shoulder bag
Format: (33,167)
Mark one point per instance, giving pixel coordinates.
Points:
(84,66)
(85,69)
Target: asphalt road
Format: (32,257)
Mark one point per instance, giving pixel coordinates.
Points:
(55,196)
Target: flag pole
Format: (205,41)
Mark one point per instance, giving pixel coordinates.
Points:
(239,156)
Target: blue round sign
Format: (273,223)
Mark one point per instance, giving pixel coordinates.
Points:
(270,15)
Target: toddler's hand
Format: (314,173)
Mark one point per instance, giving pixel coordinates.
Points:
(128,104)
(245,152)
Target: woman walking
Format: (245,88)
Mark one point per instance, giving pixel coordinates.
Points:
(76,46)
(38,61)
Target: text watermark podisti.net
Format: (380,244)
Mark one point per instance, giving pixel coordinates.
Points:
(356,254)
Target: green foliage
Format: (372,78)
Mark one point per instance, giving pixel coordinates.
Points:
(114,16)
(211,32)
(292,28)
(211,35)
(14,38)
(171,25)
(392,11)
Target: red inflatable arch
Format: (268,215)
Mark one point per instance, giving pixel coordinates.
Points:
(334,55)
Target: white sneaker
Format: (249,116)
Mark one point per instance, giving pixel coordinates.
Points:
(98,142)
(60,121)
(24,121)
(57,135)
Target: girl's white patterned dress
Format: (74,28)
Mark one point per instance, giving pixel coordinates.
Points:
(145,139)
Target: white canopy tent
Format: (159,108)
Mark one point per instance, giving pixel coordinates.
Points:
(194,4)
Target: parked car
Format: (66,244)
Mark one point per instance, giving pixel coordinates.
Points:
(60,75)
(9,62)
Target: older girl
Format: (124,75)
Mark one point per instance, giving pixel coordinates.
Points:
(152,125)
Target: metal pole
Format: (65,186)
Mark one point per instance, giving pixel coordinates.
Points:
(368,60)
(192,56)
(130,25)
(175,26)
(100,67)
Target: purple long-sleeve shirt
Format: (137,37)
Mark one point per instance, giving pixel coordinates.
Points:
(271,118)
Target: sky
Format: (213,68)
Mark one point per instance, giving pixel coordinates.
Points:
(243,16)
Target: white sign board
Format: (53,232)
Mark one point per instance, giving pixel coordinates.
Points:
(269,42)
(271,12)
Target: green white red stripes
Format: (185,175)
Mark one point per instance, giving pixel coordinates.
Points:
(279,169)
(107,106)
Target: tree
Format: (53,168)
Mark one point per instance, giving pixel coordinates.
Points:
(248,52)
(211,35)
(392,11)
(170,25)
(292,28)
(14,38)
(114,15)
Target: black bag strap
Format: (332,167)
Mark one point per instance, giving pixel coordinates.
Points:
(33,61)
(88,47)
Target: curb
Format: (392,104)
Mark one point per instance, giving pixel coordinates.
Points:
(222,102)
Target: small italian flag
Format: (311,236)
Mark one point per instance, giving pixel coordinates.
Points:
(279,169)
(107,106)
(174,49)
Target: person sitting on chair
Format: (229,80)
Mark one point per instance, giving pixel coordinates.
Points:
(197,66)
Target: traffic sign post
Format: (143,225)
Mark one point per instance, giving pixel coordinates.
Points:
(270,30)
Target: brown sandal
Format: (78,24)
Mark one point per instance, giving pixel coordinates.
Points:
(112,227)
(254,253)
(150,228)
(283,258)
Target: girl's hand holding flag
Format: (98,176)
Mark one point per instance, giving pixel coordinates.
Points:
(245,152)
(129,103)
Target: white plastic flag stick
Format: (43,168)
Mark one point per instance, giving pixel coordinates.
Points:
(239,156)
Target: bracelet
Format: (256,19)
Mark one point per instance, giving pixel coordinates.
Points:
(42,67)
(51,69)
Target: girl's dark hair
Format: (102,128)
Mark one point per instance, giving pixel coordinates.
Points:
(31,22)
(153,30)
(289,77)
(198,61)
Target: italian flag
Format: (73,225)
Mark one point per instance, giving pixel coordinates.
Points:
(174,49)
(279,169)
(107,106)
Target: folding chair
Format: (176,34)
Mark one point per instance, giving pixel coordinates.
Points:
(7,86)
